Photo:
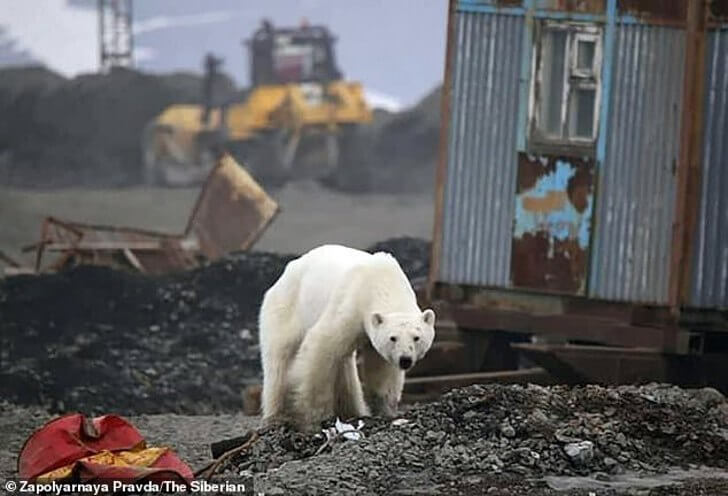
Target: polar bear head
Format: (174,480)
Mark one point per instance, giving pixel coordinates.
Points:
(402,338)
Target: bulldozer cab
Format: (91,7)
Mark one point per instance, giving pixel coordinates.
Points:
(292,55)
(296,119)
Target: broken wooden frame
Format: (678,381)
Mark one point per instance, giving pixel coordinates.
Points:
(230,214)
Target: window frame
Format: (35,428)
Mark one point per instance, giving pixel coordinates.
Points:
(573,79)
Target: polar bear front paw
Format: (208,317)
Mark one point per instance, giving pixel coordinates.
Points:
(273,422)
(381,406)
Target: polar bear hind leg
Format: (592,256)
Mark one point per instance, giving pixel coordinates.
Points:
(279,341)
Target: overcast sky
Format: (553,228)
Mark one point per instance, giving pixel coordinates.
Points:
(395,47)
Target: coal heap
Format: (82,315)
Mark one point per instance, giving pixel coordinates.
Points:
(99,340)
(84,131)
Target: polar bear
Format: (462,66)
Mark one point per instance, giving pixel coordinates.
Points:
(327,304)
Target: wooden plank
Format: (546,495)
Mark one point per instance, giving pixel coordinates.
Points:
(441,383)
(133,260)
(580,364)
(575,327)
(105,245)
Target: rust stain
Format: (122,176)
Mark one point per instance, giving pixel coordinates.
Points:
(554,200)
(552,226)
(586,6)
(579,188)
(666,10)
(718,10)
(530,170)
(535,268)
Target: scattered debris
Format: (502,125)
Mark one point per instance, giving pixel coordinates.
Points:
(11,267)
(231,213)
(347,431)
(209,471)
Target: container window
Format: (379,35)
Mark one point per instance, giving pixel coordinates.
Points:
(566,84)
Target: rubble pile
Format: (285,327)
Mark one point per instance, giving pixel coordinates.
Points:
(489,431)
(98,340)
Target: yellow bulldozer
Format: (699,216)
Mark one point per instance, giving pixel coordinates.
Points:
(293,122)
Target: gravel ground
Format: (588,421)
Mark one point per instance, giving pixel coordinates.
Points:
(481,434)
(648,440)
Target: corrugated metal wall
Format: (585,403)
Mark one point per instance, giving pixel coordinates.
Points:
(636,195)
(710,261)
(478,198)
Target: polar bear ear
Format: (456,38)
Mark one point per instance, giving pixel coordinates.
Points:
(377,319)
(428,316)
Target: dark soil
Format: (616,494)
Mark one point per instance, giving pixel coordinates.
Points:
(98,340)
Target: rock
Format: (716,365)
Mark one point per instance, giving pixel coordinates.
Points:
(507,430)
(580,453)
(708,396)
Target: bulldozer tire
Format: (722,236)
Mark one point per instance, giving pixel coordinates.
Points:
(352,172)
(263,158)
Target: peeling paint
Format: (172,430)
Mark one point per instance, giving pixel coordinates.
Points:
(553,200)
(552,223)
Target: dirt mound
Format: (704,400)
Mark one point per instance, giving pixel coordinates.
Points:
(99,340)
(84,131)
(475,433)
(397,154)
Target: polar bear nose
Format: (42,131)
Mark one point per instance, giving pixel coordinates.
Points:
(405,362)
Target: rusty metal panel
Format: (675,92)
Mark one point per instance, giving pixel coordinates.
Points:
(231,212)
(710,252)
(584,6)
(481,164)
(554,199)
(718,11)
(655,10)
(146,251)
(636,192)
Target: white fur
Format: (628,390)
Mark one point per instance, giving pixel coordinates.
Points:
(326,305)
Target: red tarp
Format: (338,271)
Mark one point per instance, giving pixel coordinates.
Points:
(101,449)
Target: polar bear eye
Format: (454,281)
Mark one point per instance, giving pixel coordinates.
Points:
(417,338)
(393,339)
